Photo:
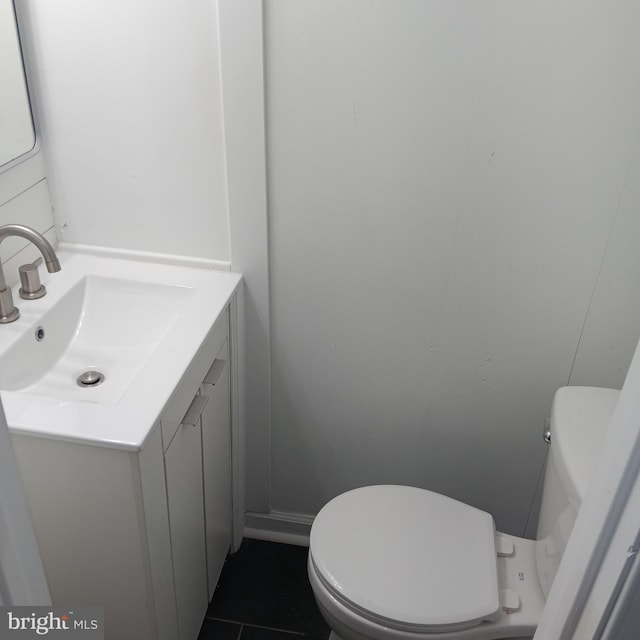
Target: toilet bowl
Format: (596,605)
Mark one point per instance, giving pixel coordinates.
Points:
(392,562)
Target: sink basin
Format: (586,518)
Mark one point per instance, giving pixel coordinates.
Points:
(126,324)
(103,325)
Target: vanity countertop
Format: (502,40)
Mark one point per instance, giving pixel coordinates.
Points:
(125,419)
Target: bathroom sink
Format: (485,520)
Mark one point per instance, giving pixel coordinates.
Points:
(100,355)
(103,330)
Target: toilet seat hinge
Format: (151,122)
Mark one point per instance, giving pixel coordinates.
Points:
(510,600)
(504,546)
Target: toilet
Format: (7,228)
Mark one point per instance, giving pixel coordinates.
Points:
(390,562)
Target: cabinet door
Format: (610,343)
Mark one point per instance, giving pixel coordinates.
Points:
(216,456)
(183,469)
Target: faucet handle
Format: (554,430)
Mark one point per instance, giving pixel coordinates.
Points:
(31,288)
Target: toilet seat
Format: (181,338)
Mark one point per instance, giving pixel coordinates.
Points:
(407,558)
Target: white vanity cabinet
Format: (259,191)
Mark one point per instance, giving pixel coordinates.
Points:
(142,533)
(198,478)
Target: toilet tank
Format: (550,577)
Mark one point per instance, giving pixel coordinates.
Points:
(580,419)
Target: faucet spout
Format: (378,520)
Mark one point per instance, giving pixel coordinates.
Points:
(49,255)
(8,311)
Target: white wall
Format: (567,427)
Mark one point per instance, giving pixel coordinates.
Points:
(451,208)
(130,110)
(451,194)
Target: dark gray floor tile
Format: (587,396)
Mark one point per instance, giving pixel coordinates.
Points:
(265,584)
(219,630)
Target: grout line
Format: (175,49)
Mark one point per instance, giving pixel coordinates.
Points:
(257,626)
(223,620)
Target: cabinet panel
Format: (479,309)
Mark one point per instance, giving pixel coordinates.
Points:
(183,469)
(85,503)
(156,520)
(216,455)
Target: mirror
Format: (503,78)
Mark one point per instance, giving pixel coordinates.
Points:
(17,135)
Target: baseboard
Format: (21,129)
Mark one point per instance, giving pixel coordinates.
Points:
(279,526)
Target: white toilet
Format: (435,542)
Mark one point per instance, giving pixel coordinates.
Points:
(391,562)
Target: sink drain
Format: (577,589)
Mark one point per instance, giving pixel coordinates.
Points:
(90,378)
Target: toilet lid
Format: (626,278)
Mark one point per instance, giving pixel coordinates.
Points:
(408,558)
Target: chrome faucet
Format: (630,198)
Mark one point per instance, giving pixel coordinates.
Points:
(8,311)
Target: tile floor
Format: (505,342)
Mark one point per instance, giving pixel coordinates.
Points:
(264,594)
